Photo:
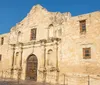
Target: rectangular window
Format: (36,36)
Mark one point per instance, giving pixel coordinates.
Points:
(86,53)
(82,26)
(2,40)
(33,34)
(0,57)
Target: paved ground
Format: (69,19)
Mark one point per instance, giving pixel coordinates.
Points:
(16,83)
(13,82)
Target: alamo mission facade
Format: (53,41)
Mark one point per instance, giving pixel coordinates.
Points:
(46,45)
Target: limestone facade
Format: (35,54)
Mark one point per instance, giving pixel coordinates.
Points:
(58,47)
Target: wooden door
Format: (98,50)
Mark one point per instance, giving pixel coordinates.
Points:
(31,71)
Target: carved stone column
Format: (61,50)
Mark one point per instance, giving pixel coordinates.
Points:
(43,43)
(12,66)
(56,40)
(19,69)
(21,53)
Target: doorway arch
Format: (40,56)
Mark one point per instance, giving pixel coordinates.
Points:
(31,67)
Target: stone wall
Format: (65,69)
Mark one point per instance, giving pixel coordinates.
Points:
(50,27)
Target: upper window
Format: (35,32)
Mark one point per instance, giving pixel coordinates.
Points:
(2,40)
(83,26)
(0,57)
(33,34)
(86,53)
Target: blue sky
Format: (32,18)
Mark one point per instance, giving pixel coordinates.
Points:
(13,11)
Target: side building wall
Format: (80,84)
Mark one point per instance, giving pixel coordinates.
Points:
(73,43)
(6,55)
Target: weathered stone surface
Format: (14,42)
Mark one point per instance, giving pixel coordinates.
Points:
(51,26)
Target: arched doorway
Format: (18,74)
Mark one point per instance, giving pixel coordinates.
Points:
(31,67)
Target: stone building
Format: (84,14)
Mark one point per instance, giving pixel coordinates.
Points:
(52,47)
